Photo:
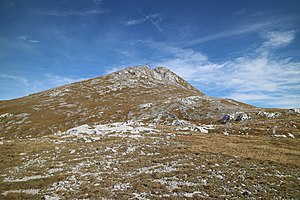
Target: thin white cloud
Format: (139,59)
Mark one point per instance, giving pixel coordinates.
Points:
(55,80)
(132,22)
(154,19)
(49,79)
(238,30)
(253,97)
(27,86)
(22,38)
(58,13)
(261,78)
(288,102)
(98,2)
(96,9)
(33,41)
(22,80)
(26,39)
(276,39)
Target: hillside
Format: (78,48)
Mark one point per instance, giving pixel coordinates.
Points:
(113,98)
(144,133)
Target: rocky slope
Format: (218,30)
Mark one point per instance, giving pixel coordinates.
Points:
(136,93)
(161,138)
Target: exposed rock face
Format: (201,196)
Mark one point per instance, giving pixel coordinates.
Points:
(144,74)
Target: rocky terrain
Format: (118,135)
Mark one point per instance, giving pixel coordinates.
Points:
(143,133)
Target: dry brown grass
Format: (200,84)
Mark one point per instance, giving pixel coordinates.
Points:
(243,162)
(281,151)
(233,153)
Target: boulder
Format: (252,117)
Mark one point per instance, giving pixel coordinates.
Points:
(269,115)
(294,110)
(179,122)
(145,105)
(242,117)
(227,118)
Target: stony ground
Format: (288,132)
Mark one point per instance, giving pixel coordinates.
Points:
(145,161)
(171,142)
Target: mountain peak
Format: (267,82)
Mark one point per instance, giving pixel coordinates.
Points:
(159,74)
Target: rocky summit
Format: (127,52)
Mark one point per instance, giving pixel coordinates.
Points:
(143,133)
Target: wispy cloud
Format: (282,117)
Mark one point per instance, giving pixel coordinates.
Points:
(33,41)
(154,19)
(275,39)
(22,80)
(11,45)
(259,77)
(94,9)
(26,86)
(48,81)
(26,39)
(59,13)
(98,2)
(56,80)
(132,22)
(238,30)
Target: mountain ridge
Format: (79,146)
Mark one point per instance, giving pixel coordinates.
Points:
(86,97)
(136,93)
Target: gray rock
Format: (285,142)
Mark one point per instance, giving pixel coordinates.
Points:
(269,115)
(227,118)
(179,122)
(242,117)
(145,105)
(246,193)
(294,110)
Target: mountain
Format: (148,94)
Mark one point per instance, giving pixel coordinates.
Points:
(135,93)
(143,133)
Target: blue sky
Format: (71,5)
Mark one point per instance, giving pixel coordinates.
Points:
(245,50)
